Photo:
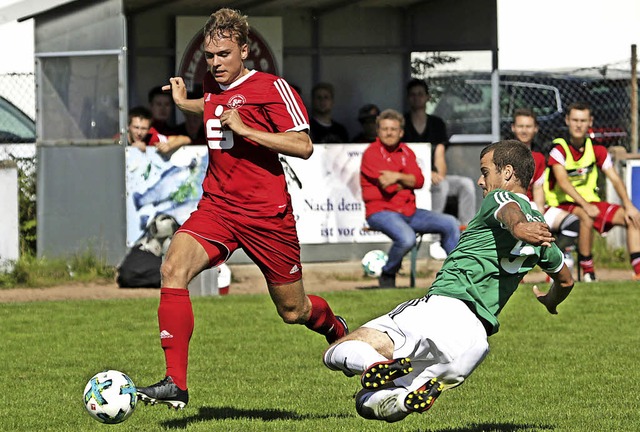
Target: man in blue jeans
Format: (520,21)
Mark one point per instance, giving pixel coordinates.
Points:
(389,173)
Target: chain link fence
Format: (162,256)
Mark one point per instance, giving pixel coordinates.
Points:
(463,99)
(17,143)
(17,115)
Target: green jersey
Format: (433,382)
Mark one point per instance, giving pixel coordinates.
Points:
(488,263)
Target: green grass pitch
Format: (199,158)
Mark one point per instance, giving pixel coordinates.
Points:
(577,371)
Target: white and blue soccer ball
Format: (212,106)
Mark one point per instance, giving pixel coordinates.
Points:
(373,261)
(110,397)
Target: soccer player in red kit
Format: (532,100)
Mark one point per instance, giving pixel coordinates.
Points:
(250,117)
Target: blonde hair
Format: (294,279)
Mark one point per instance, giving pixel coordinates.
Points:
(227,23)
(390,114)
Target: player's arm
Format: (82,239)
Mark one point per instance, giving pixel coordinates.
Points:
(173,143)
(439,160)
(632,215)
(562,178)
(179,93)
(291,143)
(538,196)
(533,233)
(403,180)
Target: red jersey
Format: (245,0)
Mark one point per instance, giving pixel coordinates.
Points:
(154,137)
(378,157)
(538,172)
(244,176)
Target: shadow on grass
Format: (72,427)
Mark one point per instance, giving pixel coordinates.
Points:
(495,427)
(223,413)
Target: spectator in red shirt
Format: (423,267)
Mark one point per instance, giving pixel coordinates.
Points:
(141,134)
(573,186)
(389,174)
(250,117)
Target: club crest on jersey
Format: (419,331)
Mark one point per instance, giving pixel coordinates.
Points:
(236,101)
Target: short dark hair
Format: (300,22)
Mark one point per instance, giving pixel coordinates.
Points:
(157,90)
(579,106)
(514,153)
(417,83)
(525,112)
(139,112)
(322,86)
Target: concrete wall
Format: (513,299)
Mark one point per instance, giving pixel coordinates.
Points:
(9,220)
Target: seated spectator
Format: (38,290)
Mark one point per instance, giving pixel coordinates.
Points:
(324,129)
(161,106)
(140,134)
(575,162)
(389,174)
(367,118)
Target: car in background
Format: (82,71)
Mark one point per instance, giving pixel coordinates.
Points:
(463,100)
(17,132)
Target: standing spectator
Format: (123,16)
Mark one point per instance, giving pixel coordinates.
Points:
(563,224)
(422,127)
(389,173)
(367,118)
(251,117)
(324,129)
(161,106)
(433,343)
(573,186)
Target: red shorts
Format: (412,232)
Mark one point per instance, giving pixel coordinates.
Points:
(604,222)
(270,241)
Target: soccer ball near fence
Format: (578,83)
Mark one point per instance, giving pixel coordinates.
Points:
(110,397)
(373,261)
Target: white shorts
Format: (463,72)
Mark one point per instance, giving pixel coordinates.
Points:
(554,216)
(441,336)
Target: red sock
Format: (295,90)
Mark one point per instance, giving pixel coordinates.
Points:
(635,262)
(175,319)
(586,264)
(323,321)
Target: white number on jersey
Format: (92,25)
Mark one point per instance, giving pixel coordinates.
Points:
(217,138)
(521,251)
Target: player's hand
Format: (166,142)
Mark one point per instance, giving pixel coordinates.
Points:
(230,119)
(592,210)
(163,147)
(387,178)
(542,298)
(140,145)
(436,178)
(534,233)
(178,89)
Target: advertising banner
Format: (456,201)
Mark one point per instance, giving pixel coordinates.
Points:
(325,190)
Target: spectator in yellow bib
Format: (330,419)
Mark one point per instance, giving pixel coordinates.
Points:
(572,186)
